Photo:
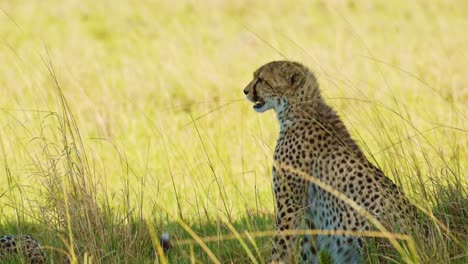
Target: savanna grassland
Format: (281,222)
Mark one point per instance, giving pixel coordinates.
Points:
(121,120)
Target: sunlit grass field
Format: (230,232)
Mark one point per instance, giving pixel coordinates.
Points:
(120,120)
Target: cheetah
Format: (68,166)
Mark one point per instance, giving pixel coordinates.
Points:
(21,247)
(313,140)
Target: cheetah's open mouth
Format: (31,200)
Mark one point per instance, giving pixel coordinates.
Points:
(259,104)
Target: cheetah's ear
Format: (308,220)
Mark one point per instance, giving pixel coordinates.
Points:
(297,80)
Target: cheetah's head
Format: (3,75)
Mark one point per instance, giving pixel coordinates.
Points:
(276,83)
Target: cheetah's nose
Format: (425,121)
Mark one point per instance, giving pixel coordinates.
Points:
(246,91)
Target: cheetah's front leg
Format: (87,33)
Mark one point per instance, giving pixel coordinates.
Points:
(290,197)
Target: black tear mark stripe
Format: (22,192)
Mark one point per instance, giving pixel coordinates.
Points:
(254,88)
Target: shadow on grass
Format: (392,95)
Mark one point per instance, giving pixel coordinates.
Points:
(132,242)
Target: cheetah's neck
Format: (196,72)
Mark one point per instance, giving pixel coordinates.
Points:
(319,112)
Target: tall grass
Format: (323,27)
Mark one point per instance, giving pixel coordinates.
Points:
(124,120)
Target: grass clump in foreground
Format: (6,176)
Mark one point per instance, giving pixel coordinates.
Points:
(160,134)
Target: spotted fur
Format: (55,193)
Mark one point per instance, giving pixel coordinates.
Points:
(21,247)
(314,140)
